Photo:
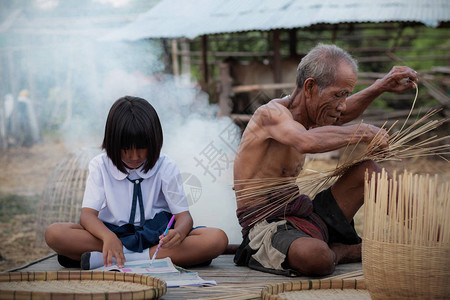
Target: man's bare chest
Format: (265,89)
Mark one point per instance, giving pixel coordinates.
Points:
(284,161)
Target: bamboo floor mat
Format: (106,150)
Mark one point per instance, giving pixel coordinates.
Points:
(233,282)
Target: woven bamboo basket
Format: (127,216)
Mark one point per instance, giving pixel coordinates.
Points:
(395,271)
(406,252)
(79,285)
(317,289)
(64,190)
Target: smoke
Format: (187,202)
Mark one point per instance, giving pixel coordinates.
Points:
(204,148)
(74,78)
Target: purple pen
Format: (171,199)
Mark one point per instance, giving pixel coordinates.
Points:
(164,234)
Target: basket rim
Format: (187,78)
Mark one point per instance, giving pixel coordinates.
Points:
(151,285)
(272,290)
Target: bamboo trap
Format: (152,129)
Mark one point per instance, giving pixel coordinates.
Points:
(63,193)
(402,144)
(410,209)
(406,242)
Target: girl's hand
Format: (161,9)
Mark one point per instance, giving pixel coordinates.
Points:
(113,248)
(172,239)
(182,227)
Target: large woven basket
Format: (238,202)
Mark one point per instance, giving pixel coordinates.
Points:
(80,285)
(396,271)
(317,289)
(63,192)
(406,243)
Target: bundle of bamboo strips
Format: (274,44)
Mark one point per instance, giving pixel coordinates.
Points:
(406,243)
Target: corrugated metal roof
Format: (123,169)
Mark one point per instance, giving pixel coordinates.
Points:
(192,18)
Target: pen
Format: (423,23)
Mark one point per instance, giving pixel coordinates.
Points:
(164,234)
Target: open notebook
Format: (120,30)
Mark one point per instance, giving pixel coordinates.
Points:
(163,269)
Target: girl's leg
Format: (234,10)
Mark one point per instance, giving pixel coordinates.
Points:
(201,245)
(71,240)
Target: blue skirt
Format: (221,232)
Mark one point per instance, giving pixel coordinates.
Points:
(137,238)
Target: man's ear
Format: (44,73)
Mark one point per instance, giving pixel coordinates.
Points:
(308,86)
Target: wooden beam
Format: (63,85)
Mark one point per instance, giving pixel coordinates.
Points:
(256,87)
(226,53)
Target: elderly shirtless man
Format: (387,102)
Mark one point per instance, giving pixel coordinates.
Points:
(309,237)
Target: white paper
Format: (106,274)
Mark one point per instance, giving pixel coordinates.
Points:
(162,269)
(159,266)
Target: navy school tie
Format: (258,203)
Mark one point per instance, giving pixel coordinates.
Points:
(137,194)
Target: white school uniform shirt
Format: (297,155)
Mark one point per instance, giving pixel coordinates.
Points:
(109,192)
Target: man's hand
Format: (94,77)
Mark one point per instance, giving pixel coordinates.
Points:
(372,132)
(113,248)
(398,80)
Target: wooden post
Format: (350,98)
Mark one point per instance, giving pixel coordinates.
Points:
(176,68)
(3,88)
(33,118)
(276,59)
(293,42)
(3,139)
(185,62)
(334,33)
(12,77)
(167,58)
(204,62)
(225,89)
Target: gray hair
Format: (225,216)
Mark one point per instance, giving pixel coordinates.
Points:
(322,63)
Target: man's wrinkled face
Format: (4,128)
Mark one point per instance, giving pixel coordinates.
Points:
(331,101)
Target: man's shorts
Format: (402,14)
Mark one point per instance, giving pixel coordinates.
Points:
(339,229)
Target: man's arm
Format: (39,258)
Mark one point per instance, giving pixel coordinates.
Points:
(285,130)
(394,81)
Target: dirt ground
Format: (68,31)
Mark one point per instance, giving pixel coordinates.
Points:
(22,179)
(24,175)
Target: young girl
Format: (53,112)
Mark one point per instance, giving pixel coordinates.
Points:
(131,193)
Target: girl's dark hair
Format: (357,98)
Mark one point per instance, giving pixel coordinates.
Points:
(132,123)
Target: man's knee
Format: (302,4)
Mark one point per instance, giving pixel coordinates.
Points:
(354,178)
(369,166)
(311,257)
